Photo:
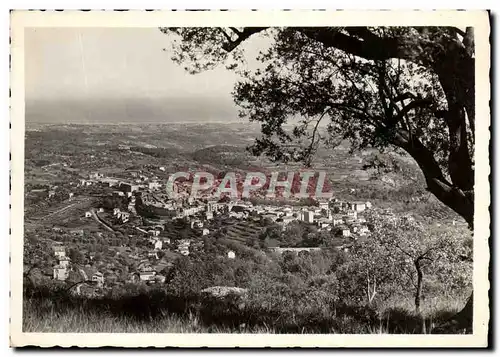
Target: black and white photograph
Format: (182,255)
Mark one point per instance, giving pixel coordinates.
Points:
(250,178)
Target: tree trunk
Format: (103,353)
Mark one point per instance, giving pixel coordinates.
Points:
(418,293)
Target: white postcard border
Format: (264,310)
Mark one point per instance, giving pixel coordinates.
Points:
(478,19)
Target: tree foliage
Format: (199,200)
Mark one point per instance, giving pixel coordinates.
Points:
(411,88)
(403,258)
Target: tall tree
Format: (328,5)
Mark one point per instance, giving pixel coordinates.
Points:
(408,87)
(411,88)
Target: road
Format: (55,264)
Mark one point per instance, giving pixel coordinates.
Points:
(81,201)
(100,221)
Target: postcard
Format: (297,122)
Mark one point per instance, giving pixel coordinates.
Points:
(250,178)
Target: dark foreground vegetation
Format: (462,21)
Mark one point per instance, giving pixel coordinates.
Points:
(48,310)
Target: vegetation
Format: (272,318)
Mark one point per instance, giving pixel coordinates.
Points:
(321,291)
(367,290)
(407,88)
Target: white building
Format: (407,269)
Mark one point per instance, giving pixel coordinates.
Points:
(231,254)
(323,205)
(346,232)
(352,214)
(154,185)
(358,206)
(308,216)
(59,251)
(98,278)
(60,273)
(158,244)
(64,262)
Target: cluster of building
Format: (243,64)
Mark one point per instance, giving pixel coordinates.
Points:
(343,217)
(62,269)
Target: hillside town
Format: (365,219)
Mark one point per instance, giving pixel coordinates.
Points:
(163,227)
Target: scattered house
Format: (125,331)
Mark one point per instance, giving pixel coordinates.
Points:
(323,223)
(231,254)
(183,246)
(337,220)
(154,232)
(345,231)
(358,206)
(368,205)
(153,254)
(88,214)
(64,261)
(323,205)
(125,216)
(98,278)
(59,251)
(60,273)
(287,211)
(52,194)
(352,214)
(308,216)
(100,209)
(95,175)
(147,275)
(162,168)
(70,195)
(158,244)
(159,278)
(116,211)
(205,232)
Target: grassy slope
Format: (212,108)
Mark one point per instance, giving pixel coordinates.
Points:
(43,315)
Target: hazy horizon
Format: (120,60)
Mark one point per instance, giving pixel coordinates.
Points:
(130,110)
(119,75)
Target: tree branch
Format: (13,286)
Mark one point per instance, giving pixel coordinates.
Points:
(242,36)
(372,48)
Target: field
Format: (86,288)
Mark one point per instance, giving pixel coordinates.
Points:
(242,231)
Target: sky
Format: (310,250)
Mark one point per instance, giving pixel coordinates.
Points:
(117,75)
